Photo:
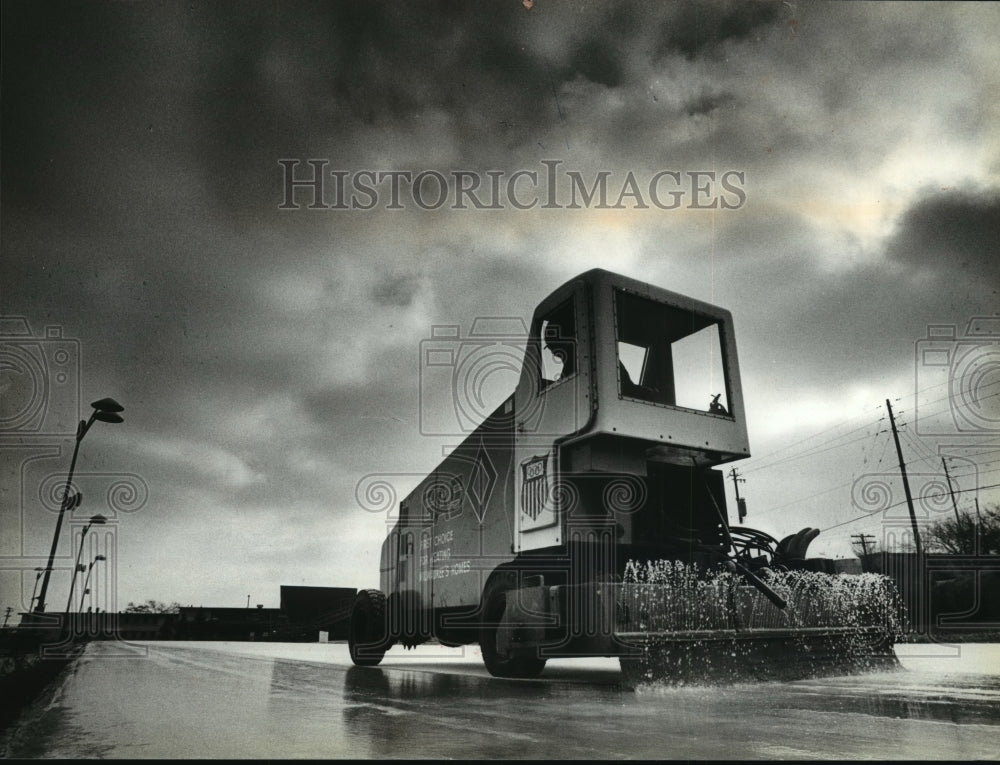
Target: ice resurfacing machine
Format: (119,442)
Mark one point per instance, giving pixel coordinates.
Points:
(585,516)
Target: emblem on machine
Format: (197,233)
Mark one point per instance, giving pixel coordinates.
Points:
(534,488)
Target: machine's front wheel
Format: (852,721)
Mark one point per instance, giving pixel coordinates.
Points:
(368,638)
(499,659)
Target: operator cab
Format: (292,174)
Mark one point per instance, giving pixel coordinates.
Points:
(647,365)
(623,379)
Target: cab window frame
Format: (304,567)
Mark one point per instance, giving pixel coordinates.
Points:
(621,294)
(569,306)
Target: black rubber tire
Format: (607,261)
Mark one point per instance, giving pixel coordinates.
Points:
(367,637)
(502,665)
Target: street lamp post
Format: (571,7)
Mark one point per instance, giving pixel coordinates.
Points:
(105,410)
(96,520)
(86,582)
(80,568)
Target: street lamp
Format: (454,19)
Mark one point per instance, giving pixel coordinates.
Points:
(86,582)
(105,410)
(95,520)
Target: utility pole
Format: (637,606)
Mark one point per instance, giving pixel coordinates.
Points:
(906,483)
(863,540)
(741,504)
(915,597)
(979,525)
(6,615)
(951,491)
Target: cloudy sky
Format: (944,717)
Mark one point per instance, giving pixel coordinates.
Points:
(269,359)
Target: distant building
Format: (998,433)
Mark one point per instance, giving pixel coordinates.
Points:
(847,566)
(223,623)
(303,614)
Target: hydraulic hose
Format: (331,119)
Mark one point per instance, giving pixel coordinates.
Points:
(747,573)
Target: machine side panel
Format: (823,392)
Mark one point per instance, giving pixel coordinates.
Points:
(469,529)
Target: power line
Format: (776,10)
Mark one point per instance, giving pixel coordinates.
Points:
(976,472)
(965,455)
(802,499)
(932,387)
(955,476)
(918,446)
(831,443)
(851,482)
(952,398)
(768,511)
(975,464)
(864,452)
(948,382)
(812,453)
(897,504)
(814,435)
(798,500)
(885,448)
(761,462)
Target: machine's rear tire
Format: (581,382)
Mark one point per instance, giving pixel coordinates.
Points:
(502,664)
(367,637)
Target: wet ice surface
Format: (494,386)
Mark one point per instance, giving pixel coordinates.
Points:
(271,700)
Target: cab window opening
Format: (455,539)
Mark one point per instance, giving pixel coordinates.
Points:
(669,356)
(557,334)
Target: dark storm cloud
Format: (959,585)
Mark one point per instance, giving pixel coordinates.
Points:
(834,310)
(291,81)
(396,290)
(951,232)
(269,358)
(705,104)
(698,28)
(58,65)
(598,62)
(226,95)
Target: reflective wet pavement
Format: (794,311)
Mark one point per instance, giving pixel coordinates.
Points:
(261,700)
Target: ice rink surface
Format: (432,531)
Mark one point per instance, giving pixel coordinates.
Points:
(290,700)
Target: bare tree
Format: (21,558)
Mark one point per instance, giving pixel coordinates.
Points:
(153,607)
(959,536)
